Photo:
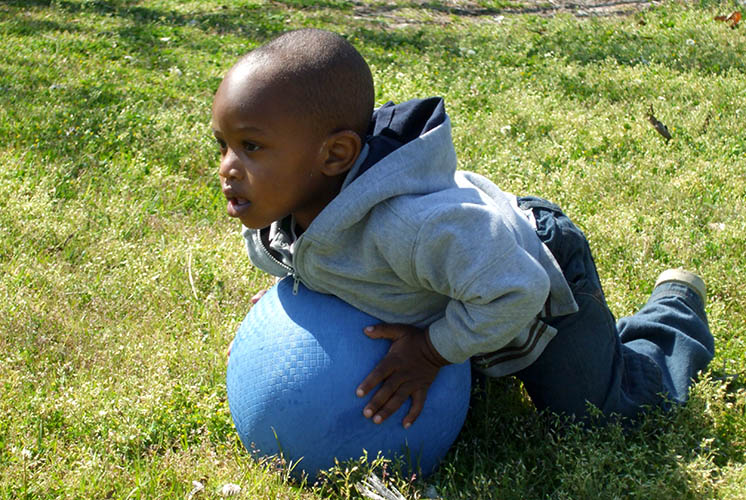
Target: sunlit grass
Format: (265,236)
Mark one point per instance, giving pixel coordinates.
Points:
(122,281)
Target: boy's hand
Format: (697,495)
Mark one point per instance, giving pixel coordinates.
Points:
(258,295)
(407,370)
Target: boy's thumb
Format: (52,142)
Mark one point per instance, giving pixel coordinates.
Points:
(383,331)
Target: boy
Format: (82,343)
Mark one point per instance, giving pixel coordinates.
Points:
(369,206)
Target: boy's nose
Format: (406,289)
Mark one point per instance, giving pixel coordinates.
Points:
(229,166)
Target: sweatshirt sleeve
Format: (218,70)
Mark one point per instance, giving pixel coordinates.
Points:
(468,253)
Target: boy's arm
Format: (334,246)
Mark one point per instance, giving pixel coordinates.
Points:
(496,289)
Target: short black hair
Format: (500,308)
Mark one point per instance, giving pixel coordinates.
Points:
(331,81)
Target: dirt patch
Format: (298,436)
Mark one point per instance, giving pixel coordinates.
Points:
(584,8)
(423,11)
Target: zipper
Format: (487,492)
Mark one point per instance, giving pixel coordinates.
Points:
(290,270)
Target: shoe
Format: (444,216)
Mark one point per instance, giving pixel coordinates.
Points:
(686,278)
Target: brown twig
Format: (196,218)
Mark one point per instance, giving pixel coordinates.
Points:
(706,124)
(659,127)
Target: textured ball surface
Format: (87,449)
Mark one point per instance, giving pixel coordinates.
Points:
(293,370)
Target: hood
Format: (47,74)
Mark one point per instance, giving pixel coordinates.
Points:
(408,151)
(392,126)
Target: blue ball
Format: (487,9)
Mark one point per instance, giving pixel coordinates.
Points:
(292,373)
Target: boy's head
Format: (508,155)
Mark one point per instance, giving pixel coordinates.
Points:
(290,118)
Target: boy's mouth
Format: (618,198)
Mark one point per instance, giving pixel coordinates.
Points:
(236,206)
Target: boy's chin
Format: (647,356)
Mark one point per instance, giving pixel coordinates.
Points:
(255,225)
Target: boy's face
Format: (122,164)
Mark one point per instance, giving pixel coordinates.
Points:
(269,159)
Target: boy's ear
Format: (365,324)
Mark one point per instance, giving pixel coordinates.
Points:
(342,148)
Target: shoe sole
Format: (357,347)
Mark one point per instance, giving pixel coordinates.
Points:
(685,277)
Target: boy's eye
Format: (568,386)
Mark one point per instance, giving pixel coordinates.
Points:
(221,143)
(250,146)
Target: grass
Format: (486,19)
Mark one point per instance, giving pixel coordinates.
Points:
(122,281)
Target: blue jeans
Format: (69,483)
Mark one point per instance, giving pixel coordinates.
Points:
(647,359)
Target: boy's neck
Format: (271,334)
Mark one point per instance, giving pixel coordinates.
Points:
(333,188)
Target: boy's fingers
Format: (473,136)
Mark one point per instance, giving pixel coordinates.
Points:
(258,296)
(378,375)
(375,406)
(389,331)
(228,352)
(418,403)
(389,389)
(393,404)
(405,371)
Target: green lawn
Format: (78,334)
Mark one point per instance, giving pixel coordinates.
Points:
(122,281)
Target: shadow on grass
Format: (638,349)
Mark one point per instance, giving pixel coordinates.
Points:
(145,26)
(372,24)
(506,450)
(32,27)
(258,21)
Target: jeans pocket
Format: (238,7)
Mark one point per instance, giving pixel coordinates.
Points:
(585,289)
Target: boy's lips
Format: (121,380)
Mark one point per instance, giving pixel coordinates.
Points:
(237,206)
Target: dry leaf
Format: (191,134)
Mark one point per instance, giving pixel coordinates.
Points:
(732,20)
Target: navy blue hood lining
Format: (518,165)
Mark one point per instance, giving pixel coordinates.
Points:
(394,125)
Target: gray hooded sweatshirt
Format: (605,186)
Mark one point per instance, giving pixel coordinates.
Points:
(409,239)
